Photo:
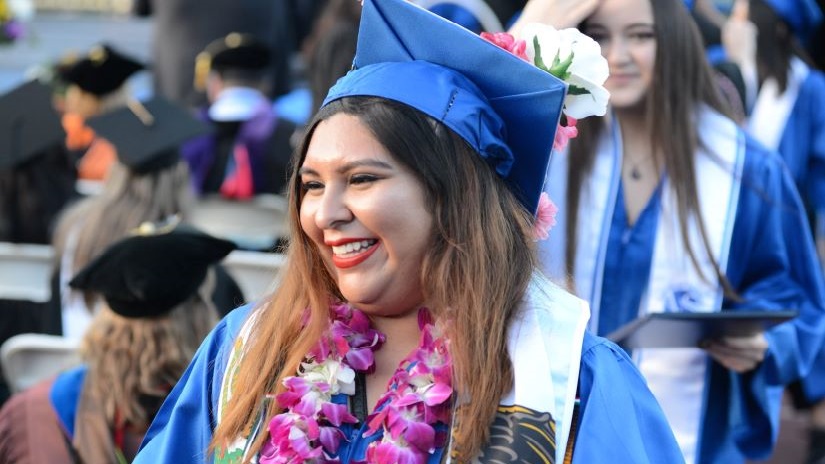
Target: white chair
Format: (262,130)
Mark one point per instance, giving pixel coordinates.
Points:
(29,358)
(25,271)
(254,224)
(479,8)
(255,272)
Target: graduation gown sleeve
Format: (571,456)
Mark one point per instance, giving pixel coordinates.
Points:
(773,266)
(182,429)
(618,415)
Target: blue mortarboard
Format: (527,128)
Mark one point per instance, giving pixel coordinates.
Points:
(802,15)
(504,107)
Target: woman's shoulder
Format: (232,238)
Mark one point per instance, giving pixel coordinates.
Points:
(231,325)
(594,346)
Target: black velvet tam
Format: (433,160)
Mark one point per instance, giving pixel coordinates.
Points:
(238,51)
(101,71)
(149,275)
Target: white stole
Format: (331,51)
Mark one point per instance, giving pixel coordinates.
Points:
(545,346)
(675,376)
(770,113)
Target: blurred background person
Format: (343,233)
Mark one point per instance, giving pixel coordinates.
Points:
(37,179)
(149,182)
(249,150)
(96,83)
(157,309)
(183,28)
(667,206)
(768,38)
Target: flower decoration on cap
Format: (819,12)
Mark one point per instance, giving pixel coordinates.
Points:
(545,217)
(570,56)
(577,60)
(13,13)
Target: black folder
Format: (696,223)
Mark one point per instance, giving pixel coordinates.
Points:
(686,330)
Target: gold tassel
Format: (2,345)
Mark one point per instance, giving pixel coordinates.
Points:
(203,64)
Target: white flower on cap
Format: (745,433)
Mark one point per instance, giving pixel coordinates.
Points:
(574,58)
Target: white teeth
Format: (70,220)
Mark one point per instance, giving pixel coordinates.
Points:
(352,247)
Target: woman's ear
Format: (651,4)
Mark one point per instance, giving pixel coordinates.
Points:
(214,86)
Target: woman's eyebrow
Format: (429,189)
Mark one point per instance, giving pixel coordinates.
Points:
(376,163)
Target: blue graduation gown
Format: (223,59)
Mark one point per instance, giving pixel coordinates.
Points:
(772,265)
(619,420)
(802,144)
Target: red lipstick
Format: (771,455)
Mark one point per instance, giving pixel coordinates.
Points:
(345,262)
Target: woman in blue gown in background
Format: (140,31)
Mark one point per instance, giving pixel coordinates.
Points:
(669,207)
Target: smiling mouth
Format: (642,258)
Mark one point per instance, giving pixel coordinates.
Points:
(353,253)
(352,248)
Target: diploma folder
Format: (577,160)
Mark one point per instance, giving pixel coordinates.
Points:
(686,330)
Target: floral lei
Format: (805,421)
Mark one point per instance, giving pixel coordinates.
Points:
(417,398)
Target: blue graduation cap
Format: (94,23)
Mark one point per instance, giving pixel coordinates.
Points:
(802,15)
(504,107)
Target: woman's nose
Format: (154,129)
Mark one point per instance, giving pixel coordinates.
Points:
(332,210)
(616,51)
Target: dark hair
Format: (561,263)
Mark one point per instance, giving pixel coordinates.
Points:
(775,44)
(331,59)
(682,80)
(33,194)
(474,274)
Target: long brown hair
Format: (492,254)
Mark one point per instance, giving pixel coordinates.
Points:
(474,275)
(132,358)
(682,81)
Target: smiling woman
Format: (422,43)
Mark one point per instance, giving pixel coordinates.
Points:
(412,325)
(367,214)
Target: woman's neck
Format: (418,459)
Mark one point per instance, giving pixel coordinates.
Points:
(641,169)
(403,336)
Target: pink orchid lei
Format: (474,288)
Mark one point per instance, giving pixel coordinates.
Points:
(417,397)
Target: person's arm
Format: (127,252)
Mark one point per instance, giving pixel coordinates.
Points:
(739,41)
(557,13)
(773,266)
(619,419)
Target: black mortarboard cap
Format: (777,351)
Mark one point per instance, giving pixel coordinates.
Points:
(28,123)
(147,135)
(101,71)
(235,51)
(149,275)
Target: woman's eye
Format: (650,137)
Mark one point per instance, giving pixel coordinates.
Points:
(642,36)
(596,35)
(362,179)
(311,185)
